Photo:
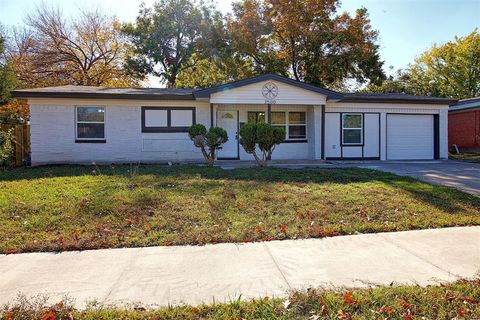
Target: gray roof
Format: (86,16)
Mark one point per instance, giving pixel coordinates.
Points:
(71,91)
(466,104)
(394,97)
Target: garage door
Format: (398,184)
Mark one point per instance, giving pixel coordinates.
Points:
(410,137)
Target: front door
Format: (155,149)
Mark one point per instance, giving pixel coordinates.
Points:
(228,120)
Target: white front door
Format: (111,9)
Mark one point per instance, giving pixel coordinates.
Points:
(228,120)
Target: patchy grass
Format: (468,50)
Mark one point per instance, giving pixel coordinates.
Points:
(468,157)
(75,207)
(458,300)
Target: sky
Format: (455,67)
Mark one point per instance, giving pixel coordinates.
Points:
(406,27)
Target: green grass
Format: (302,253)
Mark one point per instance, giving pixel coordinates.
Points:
(468,157)
(458,300)
(75,207)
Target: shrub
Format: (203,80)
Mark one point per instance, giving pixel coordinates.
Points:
(263,135)
(208,141)
(6,146)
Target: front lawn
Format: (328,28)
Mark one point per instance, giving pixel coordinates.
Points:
(458,300)
(75,207)
(468,157)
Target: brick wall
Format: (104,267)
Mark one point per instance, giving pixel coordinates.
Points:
(464,129)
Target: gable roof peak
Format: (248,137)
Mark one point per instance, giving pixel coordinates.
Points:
(205,93)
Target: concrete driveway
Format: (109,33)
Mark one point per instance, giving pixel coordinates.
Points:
(457,174)
(195,274)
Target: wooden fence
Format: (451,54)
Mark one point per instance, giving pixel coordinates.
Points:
(21,142)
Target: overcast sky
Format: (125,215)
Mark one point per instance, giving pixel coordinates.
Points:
(407,27)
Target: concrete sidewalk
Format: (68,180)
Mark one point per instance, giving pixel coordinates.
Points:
(194,274)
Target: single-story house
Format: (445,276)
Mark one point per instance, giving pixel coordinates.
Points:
(80,124)
(464,124)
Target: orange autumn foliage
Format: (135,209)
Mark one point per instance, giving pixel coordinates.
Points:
(14,111)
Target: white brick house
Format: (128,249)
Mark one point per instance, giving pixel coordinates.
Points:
(74,124)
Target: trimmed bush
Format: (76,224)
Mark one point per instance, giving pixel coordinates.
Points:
(208,141)
(262,135)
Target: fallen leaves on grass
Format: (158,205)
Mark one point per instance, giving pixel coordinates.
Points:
(348,297)
(49,316)
(460,311)
(259,229)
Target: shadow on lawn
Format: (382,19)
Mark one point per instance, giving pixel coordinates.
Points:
(444,198)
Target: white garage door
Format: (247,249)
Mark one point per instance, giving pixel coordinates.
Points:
(410,137)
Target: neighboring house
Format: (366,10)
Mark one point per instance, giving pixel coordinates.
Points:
(75,124)
(464,124)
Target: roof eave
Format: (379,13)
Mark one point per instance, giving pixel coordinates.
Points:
(469,108)
(84,95)
(403,101)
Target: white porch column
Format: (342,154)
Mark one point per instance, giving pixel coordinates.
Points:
(213,113)
(443,129)
(383,136)
(317,136)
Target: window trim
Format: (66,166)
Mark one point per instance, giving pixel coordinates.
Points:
(169,127)
(286,124)
(362,129)
(287,115)
(91,140)
(256,115)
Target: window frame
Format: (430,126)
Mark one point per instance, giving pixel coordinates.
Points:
(284,124)
(256,115)
(362,129)
(288,125)
(91,140)
(169,127)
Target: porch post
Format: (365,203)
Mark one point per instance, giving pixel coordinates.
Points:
(322,147)
(211,115)
(318,128)
(269,113)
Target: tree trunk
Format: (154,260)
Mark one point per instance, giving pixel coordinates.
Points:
(260,162)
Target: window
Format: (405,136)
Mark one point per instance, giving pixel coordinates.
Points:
(90,123)
(256,117)
(294,123)
(352,129)
(167,119)
(297,125)
(278,120)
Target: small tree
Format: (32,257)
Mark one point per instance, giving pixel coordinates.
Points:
(208,142)
(263,135)
(6,146)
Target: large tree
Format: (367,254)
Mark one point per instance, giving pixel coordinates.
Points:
(88,50)
(448,70)
(308,39)
(166,36)
(11,110)
(8,80)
